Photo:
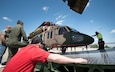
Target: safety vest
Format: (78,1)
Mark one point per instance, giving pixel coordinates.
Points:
(99,36)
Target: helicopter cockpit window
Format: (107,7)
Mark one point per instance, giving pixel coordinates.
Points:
(62,31)
(74,30)
(69,28)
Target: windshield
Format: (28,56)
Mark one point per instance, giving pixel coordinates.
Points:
(74,30)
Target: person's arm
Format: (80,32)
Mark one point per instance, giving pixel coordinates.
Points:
(56,58)
(93,35)
(2,36)
(24,34)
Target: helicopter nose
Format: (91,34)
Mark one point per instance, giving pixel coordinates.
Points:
(88,39)
(82,39)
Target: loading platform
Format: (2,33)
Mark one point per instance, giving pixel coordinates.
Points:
(98,61)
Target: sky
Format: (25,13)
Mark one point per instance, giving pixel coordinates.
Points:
(97,16)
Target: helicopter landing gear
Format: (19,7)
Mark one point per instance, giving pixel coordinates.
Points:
(63,50)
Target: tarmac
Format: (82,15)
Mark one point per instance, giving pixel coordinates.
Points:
(53,50)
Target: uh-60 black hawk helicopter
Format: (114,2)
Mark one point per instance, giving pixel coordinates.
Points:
(61,36)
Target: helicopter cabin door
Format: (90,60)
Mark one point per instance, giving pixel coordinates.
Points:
(60,31)
(48,37)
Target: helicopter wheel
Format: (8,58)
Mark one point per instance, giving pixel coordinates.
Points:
(63,50)
(45,48)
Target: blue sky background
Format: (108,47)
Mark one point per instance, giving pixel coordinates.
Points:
(99,15)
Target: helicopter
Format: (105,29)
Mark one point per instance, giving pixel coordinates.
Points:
(63,36)
(54,35)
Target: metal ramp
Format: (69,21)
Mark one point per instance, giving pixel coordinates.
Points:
(104,57)
(98,61)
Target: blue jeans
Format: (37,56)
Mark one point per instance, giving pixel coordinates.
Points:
(2,51)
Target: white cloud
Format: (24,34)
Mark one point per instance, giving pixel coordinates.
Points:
(64,16)
(7,19)
(45,8)
(61,17)
(59,22)
(58,17)
(113,31)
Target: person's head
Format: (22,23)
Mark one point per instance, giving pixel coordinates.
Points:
(38,40)
(96,32)
(20,22)
(8,27)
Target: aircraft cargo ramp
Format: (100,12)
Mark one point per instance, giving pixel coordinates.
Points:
(98,61)
(105,57)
